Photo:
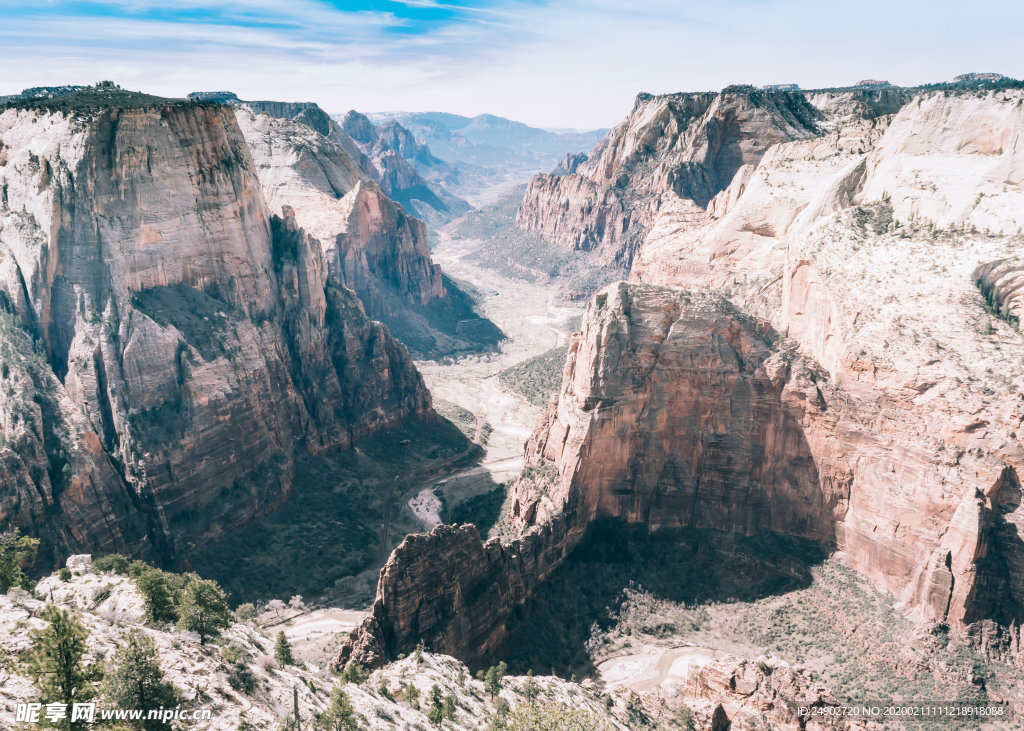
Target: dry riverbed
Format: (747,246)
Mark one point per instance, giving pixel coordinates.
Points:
(535,318)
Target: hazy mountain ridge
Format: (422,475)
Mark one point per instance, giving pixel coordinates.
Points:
(486,152)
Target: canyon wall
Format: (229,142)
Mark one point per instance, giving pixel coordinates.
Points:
(169,343)
(828,349)
(370,244)
(690,145)
(391,151)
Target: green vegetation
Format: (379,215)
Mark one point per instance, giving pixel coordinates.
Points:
(55,662)
(493,678)
(537,378)
(91,99)
(199,317)
(461,417)
(112,563)
(487,222)
(136,680)
(15,550)
(340,715)
(553,716)
(283,650)
(159,591)
(203,608)
(686,566)
(64,574)
(330,525)
(525,255)
(747,596)
(455,316)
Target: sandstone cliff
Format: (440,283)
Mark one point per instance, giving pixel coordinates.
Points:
(370,244)
(689,145)
(188,343)
(885,250)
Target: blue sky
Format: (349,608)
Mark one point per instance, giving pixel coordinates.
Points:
(554,63)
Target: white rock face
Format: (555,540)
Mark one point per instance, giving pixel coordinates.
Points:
(79,564)
(875,247)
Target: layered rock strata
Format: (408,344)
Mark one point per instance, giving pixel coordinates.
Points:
(188,343)
(393,153)
(689,145)
(885,250)
(370,244)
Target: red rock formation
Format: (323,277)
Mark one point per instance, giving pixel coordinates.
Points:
(175,314)
(370,244)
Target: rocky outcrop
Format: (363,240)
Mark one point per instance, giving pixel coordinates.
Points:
(173,314)
(688,145)
(369,242)
(454,592)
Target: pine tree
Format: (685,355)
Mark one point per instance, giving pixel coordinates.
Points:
(435,715)
(55,662)
(158,594)
(203,608)
(492,680)
(282,650)
(137,681)
(340,716)
(15,549)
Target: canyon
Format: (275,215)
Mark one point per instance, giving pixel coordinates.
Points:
(806,387)
(819,341)
(155,310)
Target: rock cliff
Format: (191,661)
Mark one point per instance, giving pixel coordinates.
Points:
(886,250)
(370,244)
(690,145)
(187,342)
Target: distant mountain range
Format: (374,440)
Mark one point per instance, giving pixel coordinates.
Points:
(486,153)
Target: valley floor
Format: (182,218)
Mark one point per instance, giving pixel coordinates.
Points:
(535,318)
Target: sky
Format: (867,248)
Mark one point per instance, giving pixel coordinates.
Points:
(549,63)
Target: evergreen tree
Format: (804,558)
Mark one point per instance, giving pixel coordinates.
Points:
(340,716)
(435,715)
(137,681)
(282,650)
(203,608)
(15,549)
(158,594)
(55,662)
(492,680)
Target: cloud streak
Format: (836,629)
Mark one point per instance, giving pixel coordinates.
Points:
(551,62)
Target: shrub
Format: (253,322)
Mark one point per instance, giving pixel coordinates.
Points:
(111,563)
(65,574)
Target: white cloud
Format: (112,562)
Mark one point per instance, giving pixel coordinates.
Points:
(569,63)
